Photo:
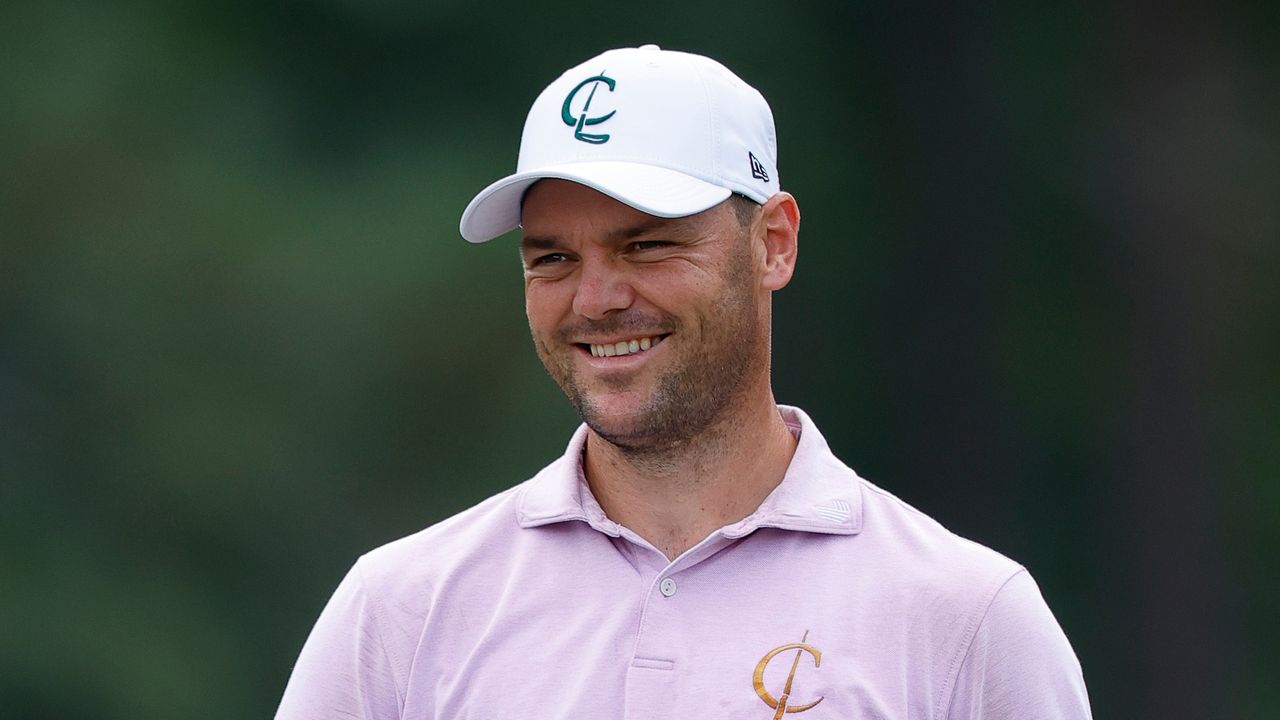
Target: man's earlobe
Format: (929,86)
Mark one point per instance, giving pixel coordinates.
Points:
(781,218)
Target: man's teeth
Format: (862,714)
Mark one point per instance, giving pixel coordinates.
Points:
(625,347)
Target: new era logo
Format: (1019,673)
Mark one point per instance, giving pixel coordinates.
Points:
(757,169)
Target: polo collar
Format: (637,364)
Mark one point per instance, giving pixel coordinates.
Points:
(818,494)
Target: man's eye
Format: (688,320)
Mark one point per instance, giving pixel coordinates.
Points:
(647,244)
(548,259)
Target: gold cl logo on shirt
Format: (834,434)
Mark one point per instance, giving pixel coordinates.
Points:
(783,704)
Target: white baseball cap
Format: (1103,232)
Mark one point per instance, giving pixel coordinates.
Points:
(668,133)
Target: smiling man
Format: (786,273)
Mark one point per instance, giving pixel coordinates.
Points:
(658,332)
(697,551)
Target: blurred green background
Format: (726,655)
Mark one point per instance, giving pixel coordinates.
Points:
(241,341)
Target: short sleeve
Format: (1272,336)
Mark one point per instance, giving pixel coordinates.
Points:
(344,670)
(1020,665)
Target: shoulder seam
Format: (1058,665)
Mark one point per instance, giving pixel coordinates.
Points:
(375,617)
(948,690)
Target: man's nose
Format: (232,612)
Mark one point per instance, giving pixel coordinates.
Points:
(602,288)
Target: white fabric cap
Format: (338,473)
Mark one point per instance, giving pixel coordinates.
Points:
(668,133)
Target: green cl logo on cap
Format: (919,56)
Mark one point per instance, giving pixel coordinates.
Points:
(582,120)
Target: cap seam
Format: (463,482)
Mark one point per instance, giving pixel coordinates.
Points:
(713,121)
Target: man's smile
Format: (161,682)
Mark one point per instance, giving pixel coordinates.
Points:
(622,347)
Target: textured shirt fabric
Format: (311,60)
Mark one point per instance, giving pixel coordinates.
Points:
(834,599)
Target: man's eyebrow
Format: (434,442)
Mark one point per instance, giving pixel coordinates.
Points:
(537,242)
(636,230)
(550,242)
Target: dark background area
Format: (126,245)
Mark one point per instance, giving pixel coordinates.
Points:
(241,341)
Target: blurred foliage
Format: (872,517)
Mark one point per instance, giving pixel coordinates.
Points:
(241,341)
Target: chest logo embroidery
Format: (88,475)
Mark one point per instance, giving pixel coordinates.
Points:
(783,704)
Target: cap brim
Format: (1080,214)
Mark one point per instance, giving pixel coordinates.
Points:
(650,189)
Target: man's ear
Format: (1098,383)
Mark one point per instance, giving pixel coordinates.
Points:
(780,217)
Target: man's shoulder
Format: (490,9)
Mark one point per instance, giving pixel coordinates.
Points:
(922,550)
(484,529)
(428,556)
(980,612)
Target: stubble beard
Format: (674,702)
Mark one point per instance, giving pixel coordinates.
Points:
(698,396)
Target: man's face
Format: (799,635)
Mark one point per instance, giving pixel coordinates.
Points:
(656,329)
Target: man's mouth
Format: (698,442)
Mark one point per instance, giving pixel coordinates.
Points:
(622,347)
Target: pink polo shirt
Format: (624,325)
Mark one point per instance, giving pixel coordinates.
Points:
(834,599)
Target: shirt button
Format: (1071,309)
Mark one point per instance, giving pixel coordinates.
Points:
(667,587)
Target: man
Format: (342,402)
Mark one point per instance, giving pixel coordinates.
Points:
(697,552)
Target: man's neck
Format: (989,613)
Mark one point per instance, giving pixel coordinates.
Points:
(678,498)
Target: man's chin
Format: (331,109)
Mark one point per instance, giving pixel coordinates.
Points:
(613,427)
(630,429)
(637,431)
